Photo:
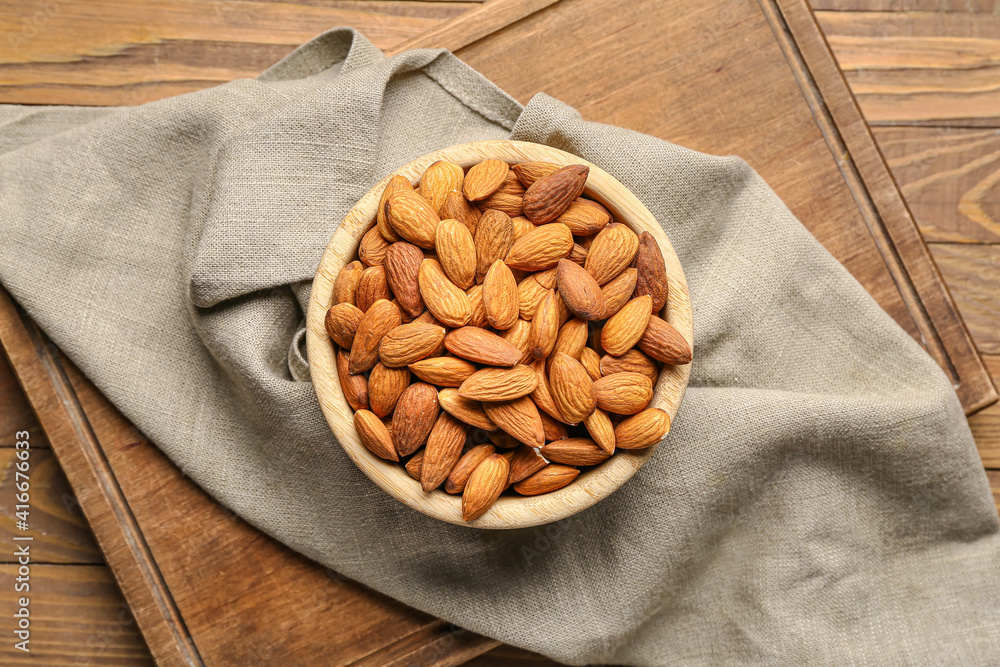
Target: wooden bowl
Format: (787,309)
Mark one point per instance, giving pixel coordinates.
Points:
(508,511)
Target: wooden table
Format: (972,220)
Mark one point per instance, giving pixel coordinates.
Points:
(931,116)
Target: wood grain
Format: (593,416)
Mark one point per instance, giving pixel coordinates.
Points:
(985,424)
(78,617)
(994,478)
(502,656)
(59,532)
(15,413)
(123,52)
(919,67)
(950,178)
(960,6)
(973,275)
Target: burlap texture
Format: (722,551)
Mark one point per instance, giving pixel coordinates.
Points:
(819,500)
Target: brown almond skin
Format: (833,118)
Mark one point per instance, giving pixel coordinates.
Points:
(438,180)
(494,237)
(585,217)
(591,362)
(460,474)
(571,387)
(346,285)
(341,322)
(633,361)
(550,196)
(464,409)
(412,217)
(446,301)
(580,291)
(510,204)
(529,296)
(552,428)
(416,411)
(499,384)
(481,346)
(380,319)
(664,343)
(385,385)
(444,448)
(500,296)
(572,338)
(443,371)
(504,440)
(525,463)
(578,255)
(642,430)
(414,465)
(485,485)
(623,393)
(456,251)
(611,252)
(519,335)
(485,178)
(601,430)
(619,291)
(545,326)
(455,207)
(373,247)
(521,226)
(624,329)
(519,418)
(373,286)
(529,172)
(409,343)
(402,266)
(395,184)
(550,478)
(652,273)
(547,278)
(355,387)
(541,248)
(374,435)
(575,452)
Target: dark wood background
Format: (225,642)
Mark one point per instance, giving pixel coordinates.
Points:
(924,73)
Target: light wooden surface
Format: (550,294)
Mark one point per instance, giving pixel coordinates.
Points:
(508,511)
(939,168)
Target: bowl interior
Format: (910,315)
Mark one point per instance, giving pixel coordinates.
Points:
(508,511)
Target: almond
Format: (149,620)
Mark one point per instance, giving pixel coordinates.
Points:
(494,237)
(374,435)
(443,371)
(643,430)
(444,448)
(385,385)
(412,217)
(409,343)
(519,418)
(395,184)
(372,248)
(525,463)
(346,285)
(373,286)
(601,430)
(519,335)
(460,474)
(624,329)
(591,362)
(545,326)
(484,486)
(456,252)
(464,409)
(652,274)
(455,207)
(550,478)
(414,465)
(509,204)
(342,322)
(481,346)
(402,266)
(379,320)
(521,226)
(548,278)
(529,172)
(580,291)
(623,393)
(549,196)
(443,298)
(575,452)
(619,291)
(529,295)
(484,179)
(571,387)
(578,255)
(572,338)
(355,387)
(504,440)
(416,411)
(585,217)
(542,396)
(427,318)
(499,384)
(541,248)
(500,296)
(478,319)
(611,252)
(438,180)
(552,428)
(664,343)
(633,361)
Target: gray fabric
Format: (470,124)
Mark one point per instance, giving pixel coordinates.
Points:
(819,500)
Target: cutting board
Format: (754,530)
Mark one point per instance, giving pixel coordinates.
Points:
(738,77)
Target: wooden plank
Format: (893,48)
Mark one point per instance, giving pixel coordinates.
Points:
(59,532)
(950,178)
(963,6)
(77,617)
(503,656)
(985,424)
(114,52)
(994,477)
(973,275)
(919,67)
(16,414)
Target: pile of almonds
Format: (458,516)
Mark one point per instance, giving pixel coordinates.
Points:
(498,330)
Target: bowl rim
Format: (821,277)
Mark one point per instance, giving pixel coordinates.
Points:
(509,511)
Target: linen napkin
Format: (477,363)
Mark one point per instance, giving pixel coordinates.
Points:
(819,500)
